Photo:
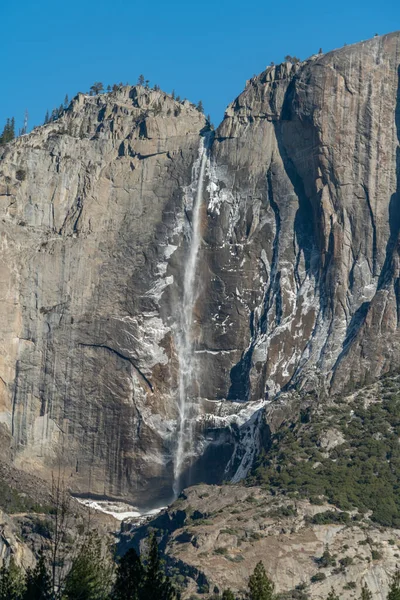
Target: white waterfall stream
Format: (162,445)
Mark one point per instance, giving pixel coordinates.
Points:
(187,406)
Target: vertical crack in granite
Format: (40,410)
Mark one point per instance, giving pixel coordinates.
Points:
(297,279)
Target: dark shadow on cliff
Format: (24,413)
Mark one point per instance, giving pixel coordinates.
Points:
(304,233)
(210,466)
(304,219)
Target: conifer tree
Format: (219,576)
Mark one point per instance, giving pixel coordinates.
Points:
(394,589)
(47,117)
(332,595)
(130,577)
(156,585)
(38,582)
(173,94)
(90,575)
(140,80)
(66,101)
(366,593)
(96,88)
(228,595)
(260,586)
(8,131)
(200,107)
(11,582)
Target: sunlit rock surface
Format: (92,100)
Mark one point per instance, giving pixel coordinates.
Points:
(296,275)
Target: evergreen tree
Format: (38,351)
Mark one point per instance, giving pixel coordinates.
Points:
(96,88)
(228,595)
(130,577)
(156,585)
(147,84)
(90,575)
(38,582)
(11,582)
(260,586)
(115,87)
(66,101)
(173,94)
(47,117)
(8,131)
(109,88)
(200,107)
(394,590)
(292,59)
(366,593)
(140,80)
(332,595)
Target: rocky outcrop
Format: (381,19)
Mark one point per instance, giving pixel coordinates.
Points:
(296,273)
(11,544)
(215,535)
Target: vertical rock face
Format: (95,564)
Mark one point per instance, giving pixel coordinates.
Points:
(92,210)
(296,273)
(303,224)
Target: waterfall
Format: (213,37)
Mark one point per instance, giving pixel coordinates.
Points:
(187,406)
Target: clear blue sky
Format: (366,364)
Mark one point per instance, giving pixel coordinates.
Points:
(204,50)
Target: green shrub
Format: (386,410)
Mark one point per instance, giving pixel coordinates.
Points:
(363,472)
(351,585)
(326,560)
(222,551)
(330,516)
(283,511)
(346,561)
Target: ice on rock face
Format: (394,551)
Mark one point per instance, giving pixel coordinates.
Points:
(187,405)
(119,510)
(154,287)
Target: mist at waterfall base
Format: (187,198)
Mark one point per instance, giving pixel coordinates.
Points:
(193,462)
(188,467)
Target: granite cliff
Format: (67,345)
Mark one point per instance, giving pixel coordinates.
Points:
(160,282)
